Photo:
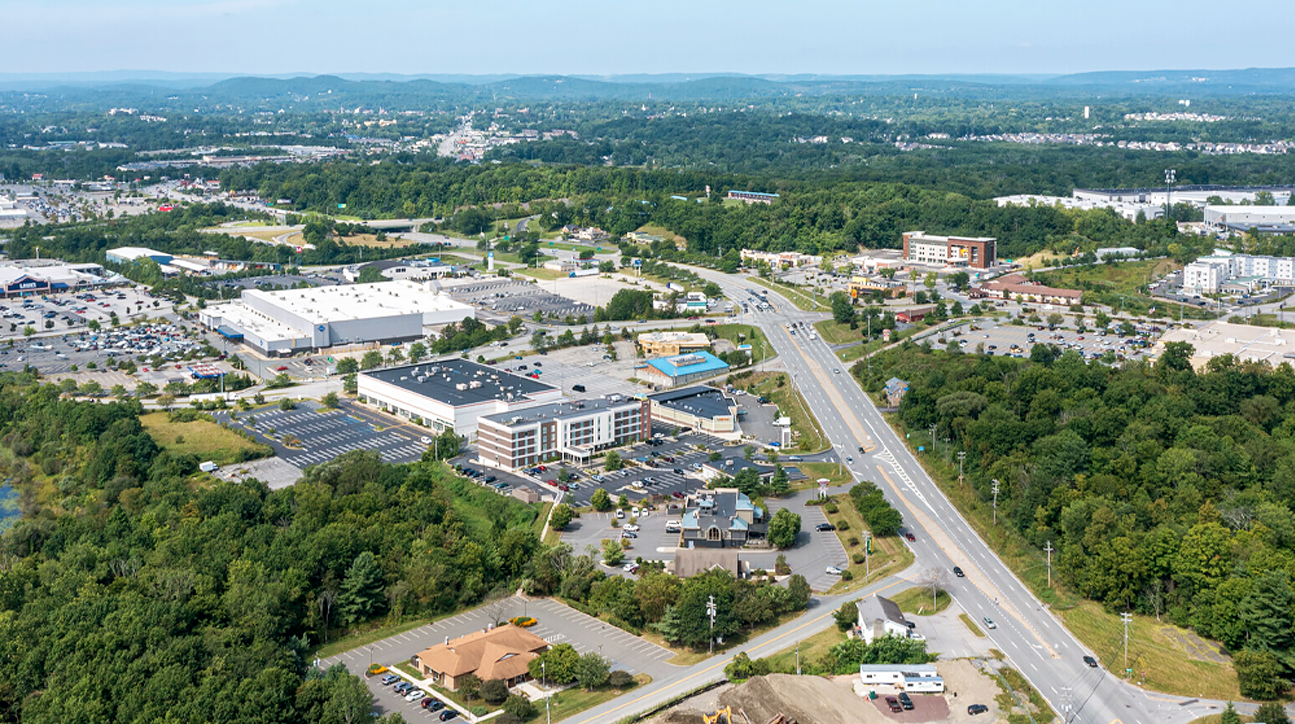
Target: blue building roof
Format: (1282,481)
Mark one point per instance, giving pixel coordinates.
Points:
(693,363)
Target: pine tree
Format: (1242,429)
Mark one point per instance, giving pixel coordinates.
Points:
(361,595)
(1230,715)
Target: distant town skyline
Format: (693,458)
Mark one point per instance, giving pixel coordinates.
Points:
(582,37)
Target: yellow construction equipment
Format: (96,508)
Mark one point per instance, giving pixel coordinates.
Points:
(721,716)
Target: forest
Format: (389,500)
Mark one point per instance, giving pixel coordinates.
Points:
(133,588)
(1166,490)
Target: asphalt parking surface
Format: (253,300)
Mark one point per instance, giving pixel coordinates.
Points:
(556,624)
(518,297)
(998,340)
(326,434)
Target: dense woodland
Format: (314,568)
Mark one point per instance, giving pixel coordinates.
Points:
(1165,490)
(132,589)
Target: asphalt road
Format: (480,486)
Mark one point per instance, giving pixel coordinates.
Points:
(1031,637)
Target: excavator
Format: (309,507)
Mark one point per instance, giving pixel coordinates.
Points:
(725,716)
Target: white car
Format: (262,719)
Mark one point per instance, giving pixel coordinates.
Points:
(620,514)
(833,570)
(425,440)
(635,512)
(415,695)
(631,528)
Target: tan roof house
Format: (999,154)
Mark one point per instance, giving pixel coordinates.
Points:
(499,653)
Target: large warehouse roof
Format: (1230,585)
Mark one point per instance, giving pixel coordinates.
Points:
(459,382)
(360,301)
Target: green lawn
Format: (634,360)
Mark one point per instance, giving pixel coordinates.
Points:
(971,625)
(575,700)
(1119,286)
(203,438)
(774,385)
(833,332)
(889,555)
(811,649)
(802,299)
(545,274)
(367,636)
(740,334)
(917,601)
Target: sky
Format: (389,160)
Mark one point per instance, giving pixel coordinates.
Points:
(834,37)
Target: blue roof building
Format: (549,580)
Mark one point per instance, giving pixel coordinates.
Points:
(684,369)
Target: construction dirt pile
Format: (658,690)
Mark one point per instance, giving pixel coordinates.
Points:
(807,699)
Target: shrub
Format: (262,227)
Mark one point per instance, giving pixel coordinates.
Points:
(494,691)
(831,507)
(847,576)
(857,558)
(852,541)
(519,706)
(620,679)
(843,525)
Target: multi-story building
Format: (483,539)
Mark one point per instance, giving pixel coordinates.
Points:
(1018,288)
(702,409)
(722,518)
(776,259)
(975,252)
(572,431)
(1210,274)
(752,197)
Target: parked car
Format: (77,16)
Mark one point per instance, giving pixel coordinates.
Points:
(824,527)
(448,714)
(415,695)
(833,570)
(905,701)
(390,679)
(425,440)
(975,709)
(893,703)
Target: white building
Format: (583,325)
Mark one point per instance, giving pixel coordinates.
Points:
(776,259)
(302,319)
(880,617)
(1210,274)
(1272,219)
(912,678)
(452,393)
(129,254)
(1129,209)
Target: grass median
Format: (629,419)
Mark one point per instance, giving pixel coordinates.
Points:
(803,300)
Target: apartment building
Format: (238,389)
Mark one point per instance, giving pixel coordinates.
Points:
(572,431)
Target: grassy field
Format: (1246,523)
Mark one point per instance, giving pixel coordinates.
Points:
(760,347)
(575,700)
(367,636)
(1119,286)
(545,274)
(205,439)
(917,601)
(1217,718)
(791,404)
(802,300)
(835,474)
(661,231)
(811,649)
(1158,655)
(1262,320)
(889,555)
(833,332)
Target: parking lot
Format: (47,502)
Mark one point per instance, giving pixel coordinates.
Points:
(324,434)
(522,298)
(556,624)
(582,366)
(70,312)
(1019,340)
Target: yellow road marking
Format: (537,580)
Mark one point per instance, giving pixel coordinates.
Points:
(724,662)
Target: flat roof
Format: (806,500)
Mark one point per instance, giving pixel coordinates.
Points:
(698,362)
(560,410)
(701,401)
(459,382)
(361,301)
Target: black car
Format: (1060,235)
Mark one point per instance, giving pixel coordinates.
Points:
(862,451)
(904,701)
(448,714)
(977,709)
(678,471)
(436,705)
(958,572)
(824,527)
(1092,663)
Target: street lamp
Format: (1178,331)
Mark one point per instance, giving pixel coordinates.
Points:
(711,610)
(1171,175)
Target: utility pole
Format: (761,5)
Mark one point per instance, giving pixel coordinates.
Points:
(1049,549)
(1127,618)
(867,556)
(711,611)
(797,658)
(1171,175)
(995,501)
(934,441)
(962,455)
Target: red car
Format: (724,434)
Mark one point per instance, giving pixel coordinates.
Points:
(910,536)
(281,368)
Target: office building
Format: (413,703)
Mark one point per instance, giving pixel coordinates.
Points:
(503,652)
(452,394)
(292,320)
(974,252)
(672,343)
(1017,288)
(721,518)
(1242,219)
(684,369)
(1247,343)
(131,254)
(572,431)
(701,409)
(778,259)
(752,197)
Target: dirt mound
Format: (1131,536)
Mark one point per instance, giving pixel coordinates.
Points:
(807,699)
(680,716)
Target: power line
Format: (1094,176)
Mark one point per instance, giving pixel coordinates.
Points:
(995,501)
(1049,550)
(1127,618)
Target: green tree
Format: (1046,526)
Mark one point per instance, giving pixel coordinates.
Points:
(847,615)
(1259,674)
(369,275)
(686,623)
(783,529)
(842,309)
(778,483)
(613,553)
(656,592)
(330,401)
(519,706)
(561,516)
(469,686)
(361,595)
(612,461)
(347,365)
(417,352)
(494,691)
(287,405)
(601,500)
(592,671)
(371,360)
(742,668)
(555,666)
(1230,715)
(1272,713)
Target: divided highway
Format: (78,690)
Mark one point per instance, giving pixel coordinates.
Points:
(1034,641)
